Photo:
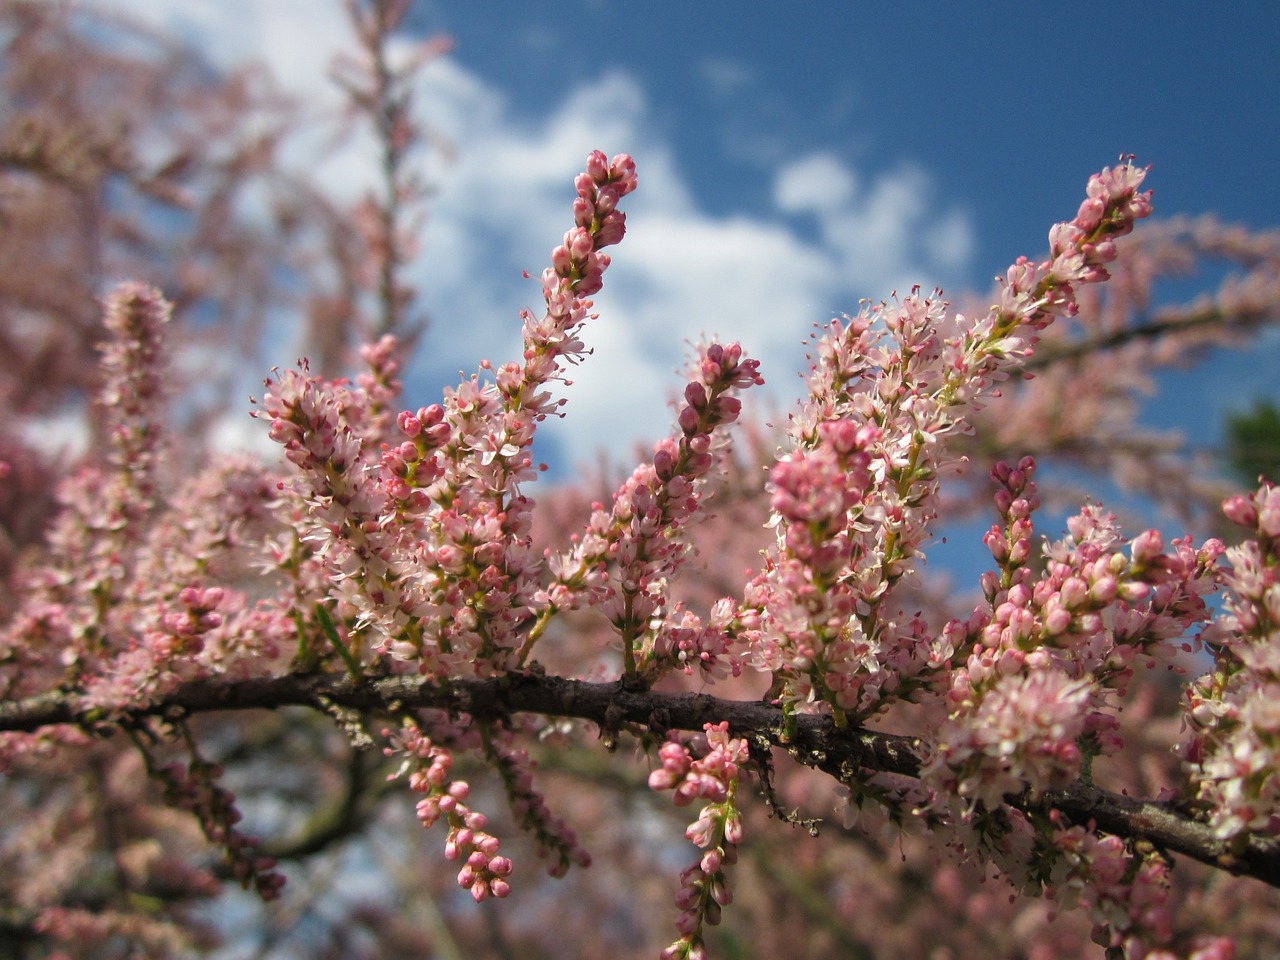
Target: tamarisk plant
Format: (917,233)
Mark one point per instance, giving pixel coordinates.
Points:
(401,594)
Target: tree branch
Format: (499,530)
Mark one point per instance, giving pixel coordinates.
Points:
(1169,322)
(811,740)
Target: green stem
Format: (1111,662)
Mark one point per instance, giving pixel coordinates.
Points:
(331,632)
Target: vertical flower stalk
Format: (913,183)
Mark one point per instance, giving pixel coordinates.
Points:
(321,425)
(484,872)
(1038,666)
(704,887)
(380,381)
(820,615)
(74,604)
(133,361)
(625,562)
(1232,756)
(429,541)
(457,471)
(380,88)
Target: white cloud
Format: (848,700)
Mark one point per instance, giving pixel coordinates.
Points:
(814,184)
(883,236)
(757,276)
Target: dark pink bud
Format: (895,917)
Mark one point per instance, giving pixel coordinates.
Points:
(597,166)
(727,409)
(696,395)
(1241,511)
(606,200)
(579,242)
(409,425)
(612,229)
(664,465)
(623,171)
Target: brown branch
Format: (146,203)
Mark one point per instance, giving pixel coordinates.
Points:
(811,740)
(1169,323)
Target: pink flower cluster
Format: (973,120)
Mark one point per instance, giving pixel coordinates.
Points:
(1024,732)
(704,886)
(1233,713)
(821,615)
(1126,894)
(808,604)
(1043,656)
(451,584)
(555,841)
(133,361)
(123,609)
(484,872)
(403,542)
(74,603)
(627,558)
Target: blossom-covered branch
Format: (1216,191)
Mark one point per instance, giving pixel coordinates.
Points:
(401,591)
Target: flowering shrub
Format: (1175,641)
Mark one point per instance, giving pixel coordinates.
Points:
(398,588)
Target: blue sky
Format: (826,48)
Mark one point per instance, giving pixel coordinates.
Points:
(1003,103)
(793,159)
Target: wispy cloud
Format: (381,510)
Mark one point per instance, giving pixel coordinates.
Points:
(761,276)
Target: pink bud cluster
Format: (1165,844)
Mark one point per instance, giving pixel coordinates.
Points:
(576,273)
(906,386)
(1034,294)
(321,424)
(484,871)
(555,841)
(133,361)
(196,614)
(452,583)
(170,649)
(1233,713)
(1040,657)
(1127,895)
(381,383)
(712,777)
(195,788)
(647,534)
(704,886)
